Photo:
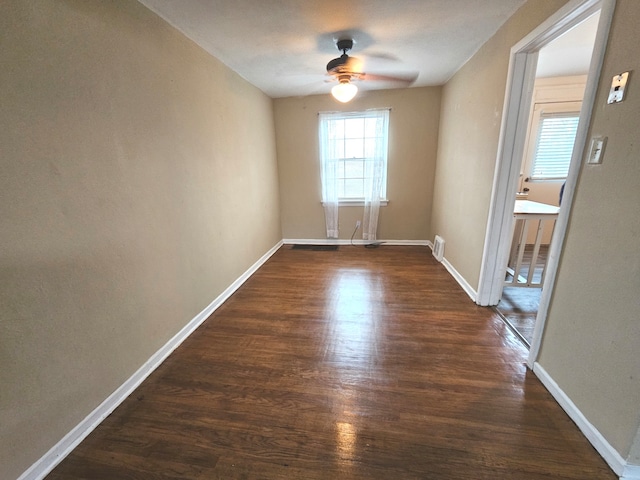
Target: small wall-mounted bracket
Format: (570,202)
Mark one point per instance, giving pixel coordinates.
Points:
(616,94)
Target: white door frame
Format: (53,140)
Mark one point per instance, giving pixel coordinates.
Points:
(520,79)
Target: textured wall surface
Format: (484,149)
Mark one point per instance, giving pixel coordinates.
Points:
(592,336)
(471,117)
(413,135)
(138,180)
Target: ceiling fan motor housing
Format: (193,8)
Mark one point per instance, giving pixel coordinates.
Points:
(344,46)
(336,63)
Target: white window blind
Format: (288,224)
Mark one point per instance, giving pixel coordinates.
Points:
(556,137)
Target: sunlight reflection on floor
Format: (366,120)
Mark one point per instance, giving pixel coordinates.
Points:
(356,323)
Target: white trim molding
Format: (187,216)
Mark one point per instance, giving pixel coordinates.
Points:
(513,131)
(631,472)
(71,440)
(357,202)
(604,448)
(356,241)
(607,8)
(466,286)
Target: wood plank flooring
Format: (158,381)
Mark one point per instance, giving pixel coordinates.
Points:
(519,305)
(352,364)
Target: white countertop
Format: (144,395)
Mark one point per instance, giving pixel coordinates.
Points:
(535,208)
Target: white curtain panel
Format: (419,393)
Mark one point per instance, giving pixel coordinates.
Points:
(329,173)
(374,175)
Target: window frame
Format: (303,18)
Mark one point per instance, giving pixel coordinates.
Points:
(538,162)
(363,114)
(541,111)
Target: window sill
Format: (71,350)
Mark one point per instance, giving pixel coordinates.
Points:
(357,203)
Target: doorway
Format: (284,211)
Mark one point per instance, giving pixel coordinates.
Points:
(556,101)
(515,122)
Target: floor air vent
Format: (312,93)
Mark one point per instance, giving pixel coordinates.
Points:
(438,248)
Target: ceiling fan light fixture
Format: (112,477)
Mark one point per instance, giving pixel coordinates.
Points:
(344,91)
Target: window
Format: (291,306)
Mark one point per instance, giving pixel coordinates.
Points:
(353,149)
(556,136)
(549,145)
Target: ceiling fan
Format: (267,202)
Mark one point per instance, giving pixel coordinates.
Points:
(345,69)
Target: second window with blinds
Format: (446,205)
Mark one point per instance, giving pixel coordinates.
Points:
(550,145)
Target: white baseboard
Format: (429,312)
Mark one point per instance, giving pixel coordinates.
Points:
(72,439)
(460,279)
(58,452)
(604,448)
(356,241)
(400,243)
(631,472)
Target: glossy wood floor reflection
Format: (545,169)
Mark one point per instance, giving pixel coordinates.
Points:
(352,364)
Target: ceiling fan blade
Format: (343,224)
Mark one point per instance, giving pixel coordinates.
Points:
(405,79)
(381,56)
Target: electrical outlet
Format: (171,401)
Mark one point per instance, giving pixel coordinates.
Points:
(357,224)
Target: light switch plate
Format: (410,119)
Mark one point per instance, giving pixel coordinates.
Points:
(596,151)
(618,84)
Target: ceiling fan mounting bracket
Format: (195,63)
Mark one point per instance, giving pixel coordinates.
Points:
(344,45)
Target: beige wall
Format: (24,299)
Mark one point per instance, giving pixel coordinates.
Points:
(591,340)
(634,452)
(413,134)
(472,105)
(138,180)
(591,343)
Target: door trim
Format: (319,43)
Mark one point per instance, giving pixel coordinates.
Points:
(520,79)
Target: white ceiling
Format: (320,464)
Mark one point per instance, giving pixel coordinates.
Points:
(569,54)
(282,46)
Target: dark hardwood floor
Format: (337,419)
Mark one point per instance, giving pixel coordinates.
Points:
(349,364)
(519,305)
